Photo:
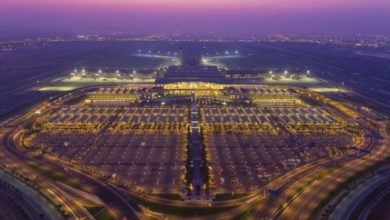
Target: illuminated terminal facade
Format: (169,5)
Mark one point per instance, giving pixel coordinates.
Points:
(192,74)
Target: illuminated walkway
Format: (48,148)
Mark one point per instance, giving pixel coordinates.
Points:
(196,151)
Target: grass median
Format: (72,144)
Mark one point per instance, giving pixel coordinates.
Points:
(100,213)
(182,211)
(56,176)
(229,196)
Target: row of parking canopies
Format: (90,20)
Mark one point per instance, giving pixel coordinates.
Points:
(100,114)
(262,111)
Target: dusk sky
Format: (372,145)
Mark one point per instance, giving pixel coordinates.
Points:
(199,16)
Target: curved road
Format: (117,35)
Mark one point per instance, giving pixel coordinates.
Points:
(303,206)
(121,207)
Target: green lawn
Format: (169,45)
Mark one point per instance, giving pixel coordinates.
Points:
(54,175)
(180,211)
(170,196)
(100,213)
(229,196)
(245,215)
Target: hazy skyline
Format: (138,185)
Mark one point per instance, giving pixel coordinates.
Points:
(200,16)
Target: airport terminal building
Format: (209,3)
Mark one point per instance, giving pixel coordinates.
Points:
(192,74)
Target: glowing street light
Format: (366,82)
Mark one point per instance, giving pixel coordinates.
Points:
(308,72)
(286,72)
(270,72)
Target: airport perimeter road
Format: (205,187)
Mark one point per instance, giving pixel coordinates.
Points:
(120,206)
(348,205)
(274,205)
(264,201)
(33,204)
(271,203)
(303,206)
(46,186)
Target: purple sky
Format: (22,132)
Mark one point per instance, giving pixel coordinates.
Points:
(197,16)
